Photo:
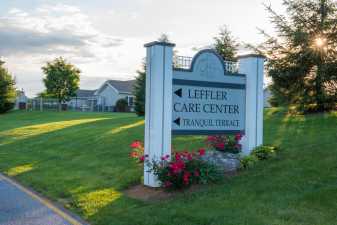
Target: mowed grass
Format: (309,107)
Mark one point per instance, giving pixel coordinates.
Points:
(81,160)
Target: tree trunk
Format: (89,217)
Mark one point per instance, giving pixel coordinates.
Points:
(320,98)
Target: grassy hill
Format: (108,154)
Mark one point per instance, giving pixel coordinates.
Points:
(81,160)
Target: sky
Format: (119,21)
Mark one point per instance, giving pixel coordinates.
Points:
(105,38)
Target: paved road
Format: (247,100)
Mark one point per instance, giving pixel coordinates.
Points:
(19,206)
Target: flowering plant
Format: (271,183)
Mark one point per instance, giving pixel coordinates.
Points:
(225,143)
(137,152)
(184,169)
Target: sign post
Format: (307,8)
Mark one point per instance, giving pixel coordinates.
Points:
(158,104)
(253,66)
(203,99)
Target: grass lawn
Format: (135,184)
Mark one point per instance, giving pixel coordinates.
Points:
(81,160)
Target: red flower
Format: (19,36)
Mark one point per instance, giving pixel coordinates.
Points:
(134,154)
(167,183)
(238,137)
(136,144)
(196,173)
(177,156)
(189,156)
(141,158)
(201,151)
(186,177)
(211,138)
(220,145)
(177,167)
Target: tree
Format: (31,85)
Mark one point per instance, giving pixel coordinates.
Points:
(139,91)
(164,38)
(302,59)
(62,79)
(122,105)
(7,89)
(226,45)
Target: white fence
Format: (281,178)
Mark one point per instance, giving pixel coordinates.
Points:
(74,104)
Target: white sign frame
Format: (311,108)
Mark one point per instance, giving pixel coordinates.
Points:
(159,93)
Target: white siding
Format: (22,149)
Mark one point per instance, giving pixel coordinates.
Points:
(110,95)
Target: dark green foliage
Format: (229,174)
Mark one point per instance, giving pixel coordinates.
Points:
(264,152)
(122,105)
(7,90)
(225,44)
(302,60)
(139,92)
(62,79)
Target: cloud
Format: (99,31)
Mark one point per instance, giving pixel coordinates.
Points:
(52,30)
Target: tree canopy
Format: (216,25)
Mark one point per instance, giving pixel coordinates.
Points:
(7,89)
(62,79)
(302,59)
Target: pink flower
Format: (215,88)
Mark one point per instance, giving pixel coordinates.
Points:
(202,151)
(238,146)
(136,144)
(196,173)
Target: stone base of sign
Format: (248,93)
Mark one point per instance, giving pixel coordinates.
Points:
(227,162)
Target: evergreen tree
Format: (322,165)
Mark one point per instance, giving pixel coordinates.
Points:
(7,89)
(62,79)
(226,45)
(302,60)
(139,91)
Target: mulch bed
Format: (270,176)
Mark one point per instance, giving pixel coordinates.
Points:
(149,194)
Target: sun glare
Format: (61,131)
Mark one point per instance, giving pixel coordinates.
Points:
(320,42)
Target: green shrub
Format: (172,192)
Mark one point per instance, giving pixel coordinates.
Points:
(248,161)
(122,105)
(264,152)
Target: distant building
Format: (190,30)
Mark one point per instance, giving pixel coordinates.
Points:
(21,100)
(105,97)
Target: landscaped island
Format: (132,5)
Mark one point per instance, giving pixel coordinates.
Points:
(81,160)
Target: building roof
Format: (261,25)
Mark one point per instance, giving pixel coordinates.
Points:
(122,86)
(85,93)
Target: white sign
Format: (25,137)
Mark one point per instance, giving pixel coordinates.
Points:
(206,100)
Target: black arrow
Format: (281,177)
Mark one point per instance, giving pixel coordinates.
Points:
(177,121)
(179,92)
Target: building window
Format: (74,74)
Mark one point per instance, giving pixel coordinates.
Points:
(130,100)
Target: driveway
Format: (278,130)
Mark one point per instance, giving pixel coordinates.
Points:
(20,206)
